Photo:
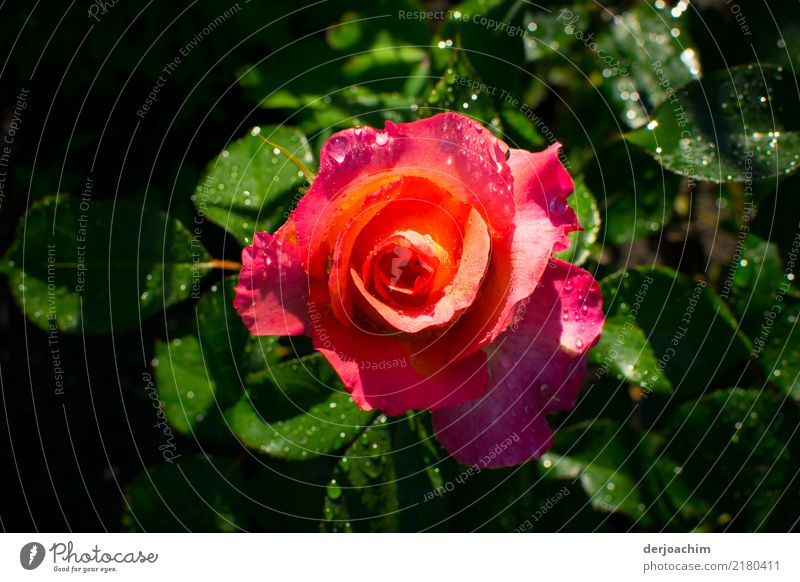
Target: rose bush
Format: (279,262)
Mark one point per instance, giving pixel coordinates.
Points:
(421,263)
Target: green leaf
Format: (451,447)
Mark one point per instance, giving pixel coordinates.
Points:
(623,350)
(386,481)
(223,338)
(93,266)
(764,297)
(518,499)
(777,345)
(491,33)
(585,207)
(734,125)
(637,198)
(353,109)
(738,450)
(184,383)
(250,186)
(195,494)
(374,62)
(772,32)
(289,496)
(669,493)
(521,130)
(297,411)
(262,352)
(596,454)
(198,375)
(348,32)
(757,280)
(460,89)
(645,54)
(689,328)
(624,470)
(554,31)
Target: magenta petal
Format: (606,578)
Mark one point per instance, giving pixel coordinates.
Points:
(541,187)
(535,367)
(541,226)
(272,294)
(451,150)
(375,369)
(499,430)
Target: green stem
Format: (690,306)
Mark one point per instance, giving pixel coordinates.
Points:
(221,264)
(292,158)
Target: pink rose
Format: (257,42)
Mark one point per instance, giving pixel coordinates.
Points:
(421,263)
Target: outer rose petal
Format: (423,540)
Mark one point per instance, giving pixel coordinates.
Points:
(541,225)
(272,293)
(453,151)
(541,188)
(535,367)
(376,371)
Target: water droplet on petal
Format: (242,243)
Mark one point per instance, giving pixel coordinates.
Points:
(338,149)
(558,205)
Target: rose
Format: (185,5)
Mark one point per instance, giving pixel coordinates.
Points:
(432,243)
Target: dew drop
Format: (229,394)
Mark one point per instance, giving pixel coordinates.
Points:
(338,149)
(558,205)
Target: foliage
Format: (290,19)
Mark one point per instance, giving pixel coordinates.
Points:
(683,160)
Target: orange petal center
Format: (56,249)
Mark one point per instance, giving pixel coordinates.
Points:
(402,270)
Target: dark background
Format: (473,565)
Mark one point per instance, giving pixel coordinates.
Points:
(65,458)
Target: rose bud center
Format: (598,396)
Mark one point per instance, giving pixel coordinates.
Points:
(402,269)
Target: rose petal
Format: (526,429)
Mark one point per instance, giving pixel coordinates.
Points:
(541,226)
(452,151)
(536,367)
(272,293)
(403,203)
(541,188)
(460,294)
(376,371)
